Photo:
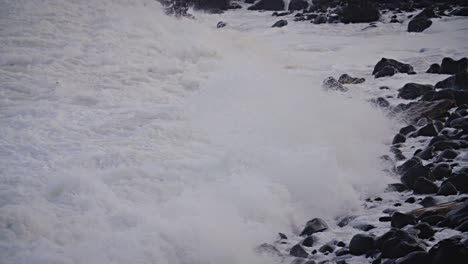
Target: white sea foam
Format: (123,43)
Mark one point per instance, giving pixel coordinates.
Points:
(131,137)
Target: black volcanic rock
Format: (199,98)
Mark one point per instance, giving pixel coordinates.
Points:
(396,65)
(271,5)
(298,251)
(434,68)
(458,81)
(361,244)
(346,79)
(447,189)
(280,23)
(412,91)
(419,24)
(400,220)
(451,66)
(313,226)
(359,14)
(295,5)
(451,250)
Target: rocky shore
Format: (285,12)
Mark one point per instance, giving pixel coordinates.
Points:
(428,222)
(429,157)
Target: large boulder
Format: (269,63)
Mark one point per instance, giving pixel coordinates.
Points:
(272,5)
(298,251)
(451,250)
(417,257)
(313,226)
(412,91)
(429,109)
(398,243)
(295,5)
(400,220)
(419,24)
(424,186)
(211,4)
(396,65)
(361,244)
(412,174)
(451,66)
(458,81)
(458,97)
(359,14)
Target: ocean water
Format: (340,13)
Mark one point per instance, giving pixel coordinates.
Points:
(127,136)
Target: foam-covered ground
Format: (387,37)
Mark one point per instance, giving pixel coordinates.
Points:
(127,136)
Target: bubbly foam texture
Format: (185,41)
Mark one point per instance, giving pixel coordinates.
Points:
(128,136)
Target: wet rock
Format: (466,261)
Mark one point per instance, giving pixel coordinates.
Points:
(460,181)
(451,66)
(434,68)
(380,102)
(403,168)
(445,144)
(410,200)
(385,219)
(313,226)
(280,23)
(386,71)
(428,201)
(407,129)
(398,243)
(346,220)
(365,227)
(282,236)
(412,91)
(426,231)
(458,81)
(221,24)
(424,186)
(332,84)
(342,252)
(234,6)
(271,5)
(308,241)
(359,14)
(418,257)
(295,5)
(447,154)
(450,250)
(320,19)
(346,79)
(400,220)
(427,153)
(431,110)
(442,170)
(458,215)
(419,24)
(433,219)
(399,66)
(361,244)
(447,189)
(411,175)
(399,138)
(327,248)
(428,130)
(460,12)
(298,251)
(426,13)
